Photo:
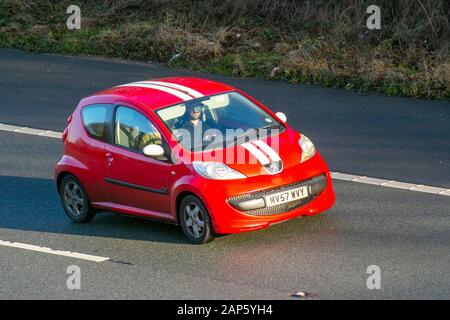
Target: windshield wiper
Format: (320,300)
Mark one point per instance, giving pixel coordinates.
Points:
(256,131)
(270,126)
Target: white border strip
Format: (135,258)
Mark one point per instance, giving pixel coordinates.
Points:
(390,183)
(34,132)
(334,175)
(69,254)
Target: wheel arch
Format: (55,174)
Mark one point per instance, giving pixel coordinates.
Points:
(61,176)
(179,198)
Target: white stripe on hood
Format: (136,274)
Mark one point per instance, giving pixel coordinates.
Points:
(256,152)
(267,149)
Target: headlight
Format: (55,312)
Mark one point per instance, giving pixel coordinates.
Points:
(216,171)
(308,149)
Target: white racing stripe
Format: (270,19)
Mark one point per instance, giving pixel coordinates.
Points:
(69,254)
(187,90)
(256,152)
(177,93)
(267,149)
(263,159)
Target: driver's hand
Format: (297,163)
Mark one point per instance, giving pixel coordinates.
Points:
(210,136)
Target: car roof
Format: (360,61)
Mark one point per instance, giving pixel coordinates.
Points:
(162,92)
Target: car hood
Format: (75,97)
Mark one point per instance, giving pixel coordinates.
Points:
(266,156)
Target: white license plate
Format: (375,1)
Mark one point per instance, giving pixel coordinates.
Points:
(286,196)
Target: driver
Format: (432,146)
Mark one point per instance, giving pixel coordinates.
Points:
(194,124)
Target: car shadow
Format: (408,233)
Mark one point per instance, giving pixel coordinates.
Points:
(32,204)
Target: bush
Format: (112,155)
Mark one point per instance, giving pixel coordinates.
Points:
(319,42)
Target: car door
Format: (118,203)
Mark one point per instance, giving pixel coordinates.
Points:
(134,179)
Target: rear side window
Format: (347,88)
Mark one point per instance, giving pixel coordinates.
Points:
(95,120)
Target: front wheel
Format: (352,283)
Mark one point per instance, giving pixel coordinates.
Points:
(195,221)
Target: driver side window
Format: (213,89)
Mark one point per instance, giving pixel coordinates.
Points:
(133,130)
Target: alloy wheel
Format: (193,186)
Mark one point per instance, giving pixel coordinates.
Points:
(73,198)
(194,218)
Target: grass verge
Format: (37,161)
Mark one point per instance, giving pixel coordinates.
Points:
(324,43)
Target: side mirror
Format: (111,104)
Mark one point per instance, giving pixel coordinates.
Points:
(153,151)
(281,116)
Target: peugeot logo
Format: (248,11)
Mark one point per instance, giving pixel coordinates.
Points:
(274,167)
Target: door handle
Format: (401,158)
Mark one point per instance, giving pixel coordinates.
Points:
(109,158)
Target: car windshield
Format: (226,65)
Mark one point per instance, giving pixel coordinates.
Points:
(217,121)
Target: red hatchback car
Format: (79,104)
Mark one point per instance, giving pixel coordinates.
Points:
(188,151)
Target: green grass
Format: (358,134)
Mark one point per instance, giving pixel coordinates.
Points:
(312,42)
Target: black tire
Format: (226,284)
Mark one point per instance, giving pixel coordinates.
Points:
(74,200)
(202,223)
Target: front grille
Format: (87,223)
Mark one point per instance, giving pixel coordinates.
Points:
(282,208)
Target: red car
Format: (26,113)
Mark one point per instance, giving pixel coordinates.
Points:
(192,152)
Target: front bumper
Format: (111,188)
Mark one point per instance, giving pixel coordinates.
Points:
(255,204)
(222,200)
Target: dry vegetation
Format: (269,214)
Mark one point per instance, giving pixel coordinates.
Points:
(317,42)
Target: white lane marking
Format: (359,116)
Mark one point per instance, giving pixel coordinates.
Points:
(445,193)
(390,183)
(32,131)
(334,175)
(179,94)
(187,90)
(51,134)
(30,247)
(256,152)
(267,149)
(7,127)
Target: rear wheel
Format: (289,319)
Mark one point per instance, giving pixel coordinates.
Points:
(74,200)
(195,221)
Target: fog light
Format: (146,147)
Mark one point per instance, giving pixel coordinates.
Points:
(247,205)
(317,185)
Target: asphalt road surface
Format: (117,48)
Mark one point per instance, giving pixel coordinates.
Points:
(405,233)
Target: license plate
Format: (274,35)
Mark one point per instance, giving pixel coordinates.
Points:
(286,196)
